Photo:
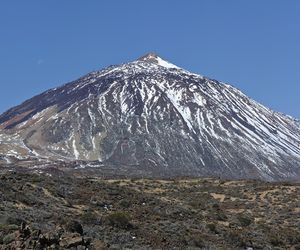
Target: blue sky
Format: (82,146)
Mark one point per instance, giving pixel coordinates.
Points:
(253,45)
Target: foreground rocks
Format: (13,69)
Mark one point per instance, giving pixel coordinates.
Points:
(26,238)
(43,212)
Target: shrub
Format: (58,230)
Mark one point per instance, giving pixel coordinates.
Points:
(119,219)
(74,226)
(212,227)
(89,218)
(8,238)
(8,228)
(125,203)
(236,238)
(36,179)
(275,241)
(216,206)
(244,221)
(221,216)
(9,220)
(198,241)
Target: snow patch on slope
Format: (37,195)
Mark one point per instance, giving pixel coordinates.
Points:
(166,64)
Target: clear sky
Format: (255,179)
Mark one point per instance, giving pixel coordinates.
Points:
(253,45)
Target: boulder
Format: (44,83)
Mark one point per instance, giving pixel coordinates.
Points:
(71,240)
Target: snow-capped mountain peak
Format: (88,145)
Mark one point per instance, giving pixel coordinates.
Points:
(154,58)
(151,116)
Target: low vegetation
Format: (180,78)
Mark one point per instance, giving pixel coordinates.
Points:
(93,213)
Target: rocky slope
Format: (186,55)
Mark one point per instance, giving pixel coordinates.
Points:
(156,118)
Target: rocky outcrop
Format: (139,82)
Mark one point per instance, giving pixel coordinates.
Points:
(26,238)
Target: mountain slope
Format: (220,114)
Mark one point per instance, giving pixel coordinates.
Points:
(165,120)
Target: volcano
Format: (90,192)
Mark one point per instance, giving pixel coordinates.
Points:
(156,118)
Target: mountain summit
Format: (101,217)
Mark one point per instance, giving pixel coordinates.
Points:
(153,58)
(154,119)
(149,57)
